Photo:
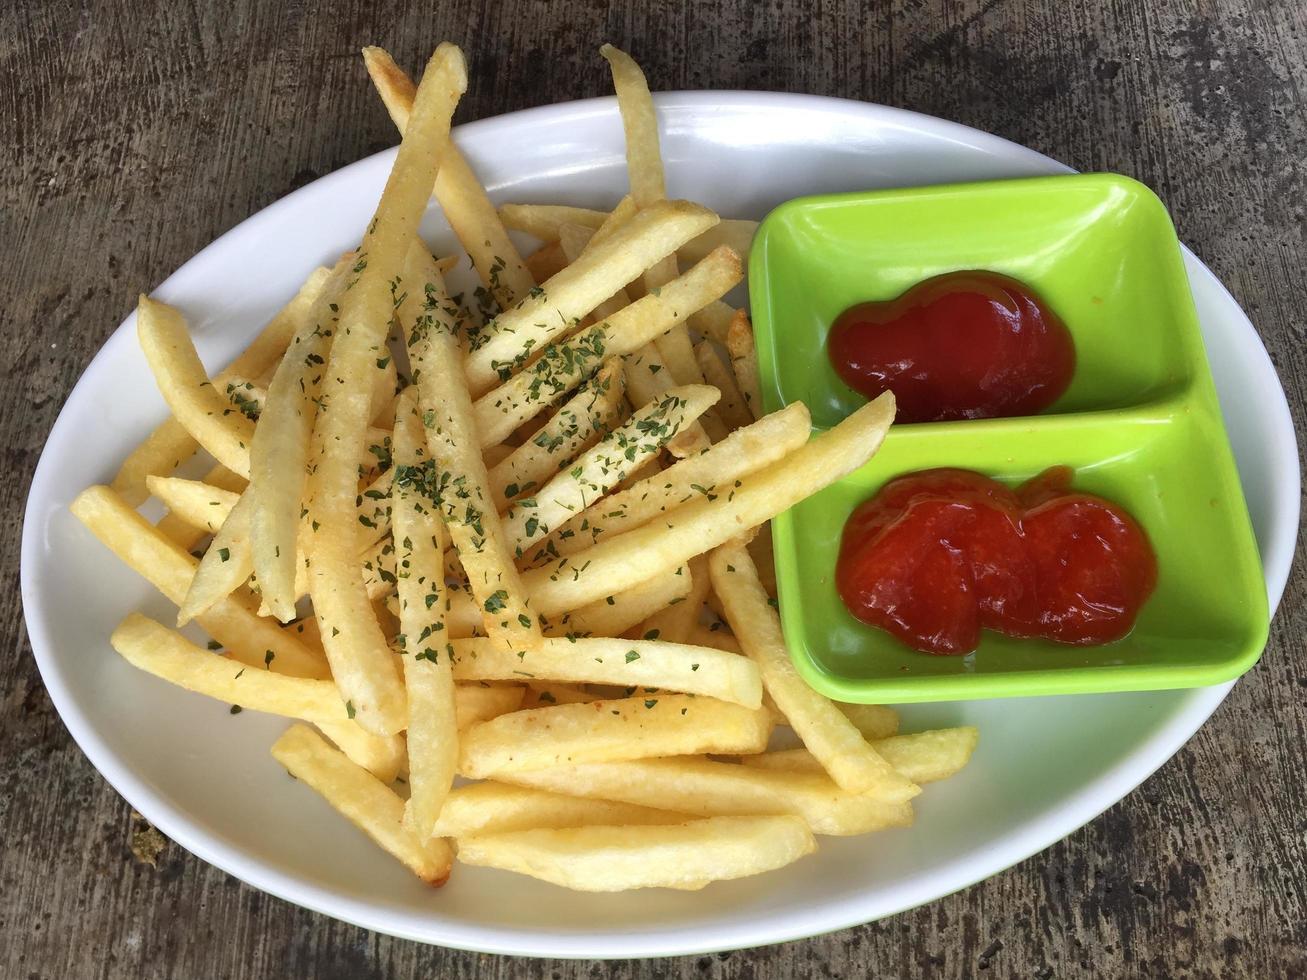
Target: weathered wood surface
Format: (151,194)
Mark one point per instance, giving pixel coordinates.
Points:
(134,133)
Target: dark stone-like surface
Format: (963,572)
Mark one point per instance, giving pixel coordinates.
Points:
(135,133)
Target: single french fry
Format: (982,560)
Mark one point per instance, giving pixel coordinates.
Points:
(614,615)
(875,721)
(360,657)
(644,162)
(712,474)
(744,361)
(508,342)
(428,677)
(589,414)
(192,397)
(188,533)
(385,756)
(923,757)
(164,449)
(685,856)
(608,463)
(825,731)
(610,731)
(713,320)
(362,799)
(563,366)
(718,639)
(546,262)
(544,221)
(674,623)
(475,703)
(460,195)
(167,654)
(496,808)
(731,409)
(460,483)
(226,564)
(540,695)
(700,525)
(198,503)
(169,568)
(702,787)
(647,663)
(279,453)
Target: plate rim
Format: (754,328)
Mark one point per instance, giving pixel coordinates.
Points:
(1072,812)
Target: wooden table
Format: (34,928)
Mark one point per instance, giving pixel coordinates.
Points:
(134,134)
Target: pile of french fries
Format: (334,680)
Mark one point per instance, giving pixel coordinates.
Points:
(506,561)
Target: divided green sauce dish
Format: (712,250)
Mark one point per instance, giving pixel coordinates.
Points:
(1139,424)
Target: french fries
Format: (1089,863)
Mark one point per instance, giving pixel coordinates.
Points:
(611,731)
(607,859)
(496,808)
(514,520)
(699,525)
(357,649)
(363,800)
(600,660)
(828,734)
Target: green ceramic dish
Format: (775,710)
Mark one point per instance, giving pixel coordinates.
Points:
(1140,424)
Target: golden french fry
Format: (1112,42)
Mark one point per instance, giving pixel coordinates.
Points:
(279,453)
(923,757)
(705,788)
(362,799)
(192,397)
(508,342)
(169,568)
(495,808)
(685,856)
(695,527)
(563,366)
(614,615)
(744,361)
(718,639)
(428,678)
(731,409)
(674,623)
(873,720)
(827,734)
(167,654)
(188,533)
(713,320)
(546,262)
(611,731)
(599,469)
(613,660)
(644,162)
(712,474)
(544,221)
(360,657)
(226,565)
(460,195)
(459,481)
(170,444)
(385,756)
(582,420)
(475,703)
(198,503)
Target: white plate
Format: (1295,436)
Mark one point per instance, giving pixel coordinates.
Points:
(205,778)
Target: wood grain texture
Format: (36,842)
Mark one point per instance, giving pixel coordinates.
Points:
(135,133)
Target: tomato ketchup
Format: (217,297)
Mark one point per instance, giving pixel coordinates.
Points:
(965,345)
(937,556)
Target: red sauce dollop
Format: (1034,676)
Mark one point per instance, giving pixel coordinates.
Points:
(965,345)
(936,556)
